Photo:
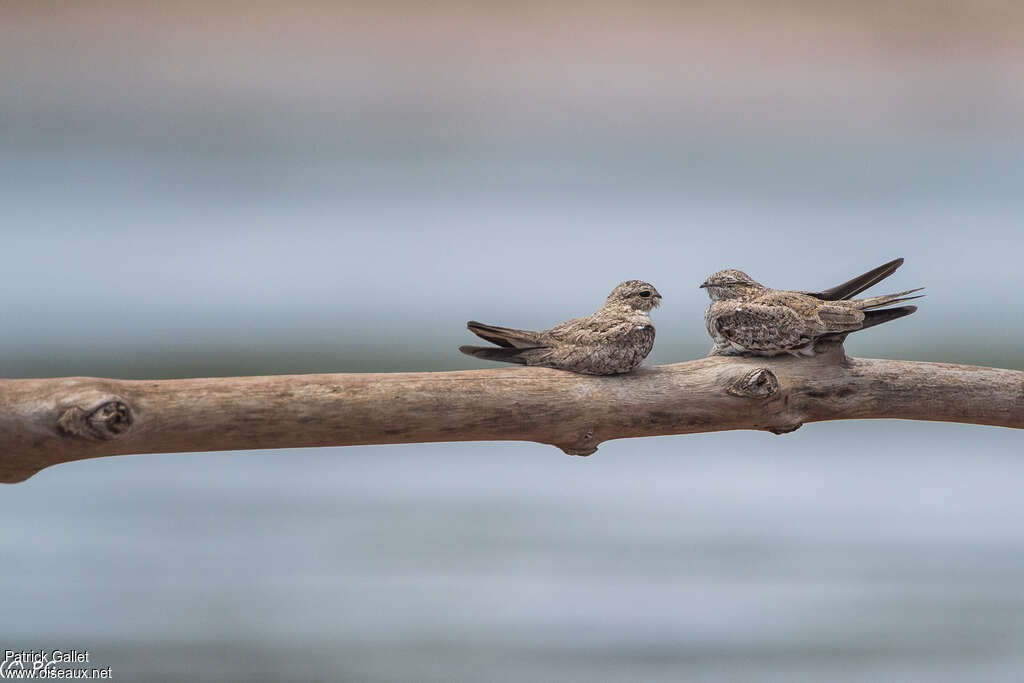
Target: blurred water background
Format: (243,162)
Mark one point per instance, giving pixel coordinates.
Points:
(197,189)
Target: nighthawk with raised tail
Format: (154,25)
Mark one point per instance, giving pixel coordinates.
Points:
(613,340)
(745,317)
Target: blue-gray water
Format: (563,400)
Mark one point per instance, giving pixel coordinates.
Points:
(302,261)
(842,552)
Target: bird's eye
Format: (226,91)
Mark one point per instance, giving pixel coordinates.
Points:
(645,294)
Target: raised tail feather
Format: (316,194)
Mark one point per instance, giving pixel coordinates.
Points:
(886,299)
(853,287)
(503,336)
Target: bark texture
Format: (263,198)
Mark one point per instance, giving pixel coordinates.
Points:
(44,422)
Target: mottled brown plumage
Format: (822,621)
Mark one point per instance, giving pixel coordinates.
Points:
(613,340)
(745,317)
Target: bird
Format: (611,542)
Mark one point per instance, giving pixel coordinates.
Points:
(613,340)
(746,317)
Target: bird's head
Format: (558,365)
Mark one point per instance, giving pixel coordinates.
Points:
(731,284)
(635,295)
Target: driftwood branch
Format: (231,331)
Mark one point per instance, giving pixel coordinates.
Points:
(48,421)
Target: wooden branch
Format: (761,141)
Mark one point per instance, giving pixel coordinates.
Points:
(48,421)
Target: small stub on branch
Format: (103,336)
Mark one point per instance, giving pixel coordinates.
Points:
(786,429)
(109,420)
(586,444)
(758,383)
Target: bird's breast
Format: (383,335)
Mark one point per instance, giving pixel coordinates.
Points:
(642,338)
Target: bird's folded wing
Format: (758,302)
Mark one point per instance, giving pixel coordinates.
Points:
(840,318)
(595,329)
(579,330)
(760,327)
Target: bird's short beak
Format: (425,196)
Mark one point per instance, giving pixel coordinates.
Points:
(703,286)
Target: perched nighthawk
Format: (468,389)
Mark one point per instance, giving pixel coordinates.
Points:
(613,340)
(747,317)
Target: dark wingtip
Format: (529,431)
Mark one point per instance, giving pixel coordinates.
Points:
(495,353)
(872,318)
(899,311)
(855,286)
(894,264)
(478,351)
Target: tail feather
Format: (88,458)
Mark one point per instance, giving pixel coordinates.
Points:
(503,336)
(502,354)
(886,299)
(853,287)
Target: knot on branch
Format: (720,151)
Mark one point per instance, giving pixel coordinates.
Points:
(109,420)
(758,383)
